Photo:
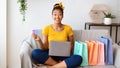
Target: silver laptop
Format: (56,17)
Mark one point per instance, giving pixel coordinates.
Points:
(59,48)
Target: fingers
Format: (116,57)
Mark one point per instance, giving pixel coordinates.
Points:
(36,37)
(33,35)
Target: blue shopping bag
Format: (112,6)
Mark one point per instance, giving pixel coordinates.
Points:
(108,51)
(80,48)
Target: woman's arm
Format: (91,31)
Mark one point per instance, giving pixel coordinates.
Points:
(71,39)
(38,39)
(45,41)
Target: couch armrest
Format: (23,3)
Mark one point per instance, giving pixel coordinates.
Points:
(25,55)
(27,46)
(116,55)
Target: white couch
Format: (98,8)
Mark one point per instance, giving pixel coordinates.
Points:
(29,44)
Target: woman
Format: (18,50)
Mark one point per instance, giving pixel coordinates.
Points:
(60,32)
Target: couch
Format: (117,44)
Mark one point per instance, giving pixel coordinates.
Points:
(28,44)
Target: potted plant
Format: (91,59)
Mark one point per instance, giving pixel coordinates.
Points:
(23,8)
(108,18)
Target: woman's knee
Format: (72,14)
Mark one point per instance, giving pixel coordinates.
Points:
(78,59)
(40,55)
(73,61)
(35,52)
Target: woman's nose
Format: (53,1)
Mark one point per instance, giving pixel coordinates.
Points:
(57,16)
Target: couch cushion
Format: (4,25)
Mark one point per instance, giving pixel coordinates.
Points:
(93,34)
(77,34)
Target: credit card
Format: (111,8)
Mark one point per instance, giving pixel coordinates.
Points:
(35,31)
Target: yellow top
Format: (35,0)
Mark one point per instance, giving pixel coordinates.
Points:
(57,36)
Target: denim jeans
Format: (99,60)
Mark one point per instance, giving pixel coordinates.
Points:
(41,56)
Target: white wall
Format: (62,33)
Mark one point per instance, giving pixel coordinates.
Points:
(39,14)
(3,35)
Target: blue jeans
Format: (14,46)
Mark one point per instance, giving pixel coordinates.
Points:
(41,56)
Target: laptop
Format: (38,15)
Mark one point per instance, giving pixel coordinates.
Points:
(60,48)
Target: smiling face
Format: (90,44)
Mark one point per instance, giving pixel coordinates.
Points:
(57,16)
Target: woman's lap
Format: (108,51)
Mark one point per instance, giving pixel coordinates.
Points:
(42,56)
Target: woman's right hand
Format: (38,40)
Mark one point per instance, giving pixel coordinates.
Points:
(36,37)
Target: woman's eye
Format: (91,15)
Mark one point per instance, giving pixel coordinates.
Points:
(60,14)
(57,14)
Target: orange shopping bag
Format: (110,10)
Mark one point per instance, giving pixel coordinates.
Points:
(92,52)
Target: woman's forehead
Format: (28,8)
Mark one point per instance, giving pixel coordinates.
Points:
(57,11)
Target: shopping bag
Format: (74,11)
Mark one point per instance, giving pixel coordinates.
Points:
(92,52)
(80,48)
(100,53)
(107,49)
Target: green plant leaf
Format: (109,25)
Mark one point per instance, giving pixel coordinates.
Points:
(23,7)
(108,15)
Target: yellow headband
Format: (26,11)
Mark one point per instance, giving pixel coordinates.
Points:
(60,5)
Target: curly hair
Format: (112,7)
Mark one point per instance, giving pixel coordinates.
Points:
(58,6)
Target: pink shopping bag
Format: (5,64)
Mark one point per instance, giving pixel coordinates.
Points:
(100,53)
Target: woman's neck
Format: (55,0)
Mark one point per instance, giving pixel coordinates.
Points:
(58,27)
